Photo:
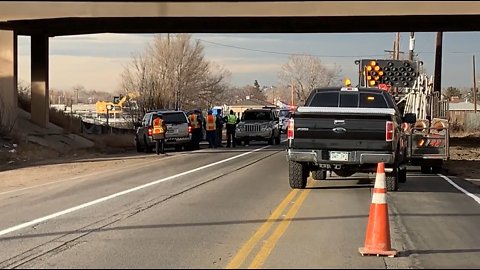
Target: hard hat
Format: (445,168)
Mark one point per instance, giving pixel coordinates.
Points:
(210,111)
(348,82)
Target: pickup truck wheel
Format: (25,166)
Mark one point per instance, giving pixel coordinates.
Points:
(392,180)
(319,174)
(298,175)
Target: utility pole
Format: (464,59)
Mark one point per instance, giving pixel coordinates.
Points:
(397,46)
(474,87)
(412,45)
(437,80)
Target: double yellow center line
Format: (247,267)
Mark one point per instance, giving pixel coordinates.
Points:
(270,243)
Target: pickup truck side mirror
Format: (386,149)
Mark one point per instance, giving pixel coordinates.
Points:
(410,118)
(137,124)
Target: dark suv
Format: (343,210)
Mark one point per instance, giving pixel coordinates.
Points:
(178,131)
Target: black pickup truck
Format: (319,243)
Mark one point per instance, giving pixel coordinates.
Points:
(347,130)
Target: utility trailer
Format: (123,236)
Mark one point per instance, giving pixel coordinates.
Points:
(428,138)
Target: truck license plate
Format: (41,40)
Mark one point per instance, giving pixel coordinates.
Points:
(339,156)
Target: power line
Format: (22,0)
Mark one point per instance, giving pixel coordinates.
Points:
(318,55)
(286,53)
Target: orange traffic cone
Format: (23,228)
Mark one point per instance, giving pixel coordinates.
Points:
(377,240)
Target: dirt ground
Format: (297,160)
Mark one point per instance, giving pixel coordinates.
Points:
(464,156)
(25,165)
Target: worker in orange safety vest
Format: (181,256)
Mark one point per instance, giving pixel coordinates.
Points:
(196,124)
(158,134)
(211,129)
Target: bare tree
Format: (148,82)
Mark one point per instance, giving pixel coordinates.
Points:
(253,91)
(24,88)
(230,95)
(173,73)
(213,90)
(305,73)
(280,93)
(138,76)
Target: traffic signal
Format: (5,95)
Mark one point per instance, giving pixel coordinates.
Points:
(397,73)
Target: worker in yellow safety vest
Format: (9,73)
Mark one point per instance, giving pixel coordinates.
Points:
(158,134)
(232,121)
(211,129)
(196,125)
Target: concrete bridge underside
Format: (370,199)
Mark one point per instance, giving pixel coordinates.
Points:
(43,19)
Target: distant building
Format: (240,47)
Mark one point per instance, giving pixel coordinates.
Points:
(249,103)
(459,110)
(465,106)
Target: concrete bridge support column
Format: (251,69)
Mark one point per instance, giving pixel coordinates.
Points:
(40,91)
(8,80)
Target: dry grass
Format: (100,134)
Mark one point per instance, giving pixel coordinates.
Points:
(69,123)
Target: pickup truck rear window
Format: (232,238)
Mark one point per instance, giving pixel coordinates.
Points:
(349,100)
(368,100)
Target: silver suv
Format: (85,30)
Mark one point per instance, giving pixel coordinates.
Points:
(178,131)
(258,125)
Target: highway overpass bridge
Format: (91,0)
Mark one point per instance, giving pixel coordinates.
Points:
(44,19)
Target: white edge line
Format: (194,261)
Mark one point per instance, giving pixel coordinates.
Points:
(71,179)
(75,178)
(103,199)
(477,199)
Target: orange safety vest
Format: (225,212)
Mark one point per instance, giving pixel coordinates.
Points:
(210,123)
(158,126)
(193,120)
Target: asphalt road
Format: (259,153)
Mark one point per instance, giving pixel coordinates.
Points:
(233,208)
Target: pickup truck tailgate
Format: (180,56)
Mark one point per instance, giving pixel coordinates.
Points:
(341,131)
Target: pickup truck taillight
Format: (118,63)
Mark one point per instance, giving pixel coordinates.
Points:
(150,131)
(291,127)
(389,130)
(189,129)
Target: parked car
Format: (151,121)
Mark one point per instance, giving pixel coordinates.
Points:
(178,131)
(258,125)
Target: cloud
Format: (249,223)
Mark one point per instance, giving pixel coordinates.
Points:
(99,73)
(100,45)
(95,58)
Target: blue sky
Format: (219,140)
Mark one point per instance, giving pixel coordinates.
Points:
(96,61)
